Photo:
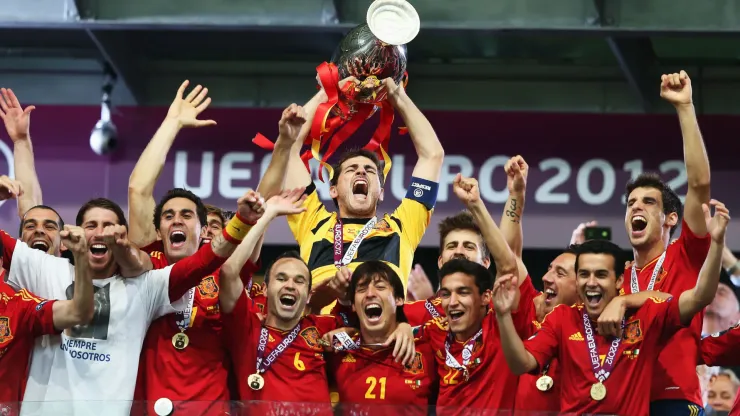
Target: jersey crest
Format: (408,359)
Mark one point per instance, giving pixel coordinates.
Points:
(311,336)
(208,288)
(416,366)
(383,226)
(632,332)
(5,334)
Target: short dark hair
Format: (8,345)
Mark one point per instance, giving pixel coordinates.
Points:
(60,221)
(291,254)
(103,203)
(352,153)
(461,221)
(200,208)
(571,249)
(483,277)
(372,269)
(602,247)
(212,209)
(671,201)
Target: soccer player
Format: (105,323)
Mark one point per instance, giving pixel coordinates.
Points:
(467,347)
(608,376)
(368,375)
(184,359)
(653,213)
(721,349)
(98,360)
(281,359)
(23,317)
(357,189)
(723,312)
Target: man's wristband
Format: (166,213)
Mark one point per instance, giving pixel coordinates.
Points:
(236,229)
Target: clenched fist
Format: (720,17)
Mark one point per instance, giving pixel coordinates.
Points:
(74,240)
(115,235)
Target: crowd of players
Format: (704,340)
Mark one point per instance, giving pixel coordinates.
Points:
(160,307)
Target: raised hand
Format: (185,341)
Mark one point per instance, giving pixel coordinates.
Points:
(717,224)
(419,286)
(505,294)
(73,238)
(115,235)
(676,88)
(579,236)
(340,283)
(395,91)
(291,122)
(516,174)
(251,207)
(9,188)
(466,190)
(186,110)
(17,120)
(287,202)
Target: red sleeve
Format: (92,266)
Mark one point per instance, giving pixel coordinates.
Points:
(237,324)
(189,271)
(545,343)
(38,314)
(8,248)
(346,314)
(159,261)
(721,349)
(663,315)
(157,245)
(247,271)
(694,248)
(417,313)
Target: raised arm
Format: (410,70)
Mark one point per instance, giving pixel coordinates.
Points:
(79,310)
(131,261)
(290,127)
(183,112)
(520,360)
(466,189)
(694,300)
(232,287)
(297,175)
(676,89)
(517,171)
(428,148)
(17,123)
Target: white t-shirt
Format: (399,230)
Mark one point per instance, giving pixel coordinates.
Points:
(90,369)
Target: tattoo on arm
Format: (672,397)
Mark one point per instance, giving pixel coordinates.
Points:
(512,213)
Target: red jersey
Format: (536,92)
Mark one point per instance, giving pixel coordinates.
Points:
(721,348)
(368,380)
(23,317)
(297,375)
(422,311)
(646,332)
(675,377)
(194,378)
(735,407)
(491,384)
(529,399)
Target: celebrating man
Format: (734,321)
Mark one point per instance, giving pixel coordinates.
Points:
(346,238)
(617,382)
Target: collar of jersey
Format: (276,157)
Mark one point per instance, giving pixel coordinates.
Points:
(361,221)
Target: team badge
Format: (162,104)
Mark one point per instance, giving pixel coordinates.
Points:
(632,332)
(208,288)
(5,333)
(312,337)
(416,366)
(383,226)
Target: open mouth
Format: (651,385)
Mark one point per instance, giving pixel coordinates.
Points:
(177,238)
(359,188)
(593,297)
(98,250)
(638,223)
(550,295)
(455,315)
(40,245)
(373,312)
(288,300)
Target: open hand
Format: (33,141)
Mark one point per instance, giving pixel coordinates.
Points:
(9,188)
(186,110)
(579,235)
(288,202)
(717,224)
(291,122)
(17,119)
(505,294)
(405,348)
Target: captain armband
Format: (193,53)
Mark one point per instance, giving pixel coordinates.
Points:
(236,229)
(423,191)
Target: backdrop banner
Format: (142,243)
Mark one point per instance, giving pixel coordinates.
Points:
(579,163)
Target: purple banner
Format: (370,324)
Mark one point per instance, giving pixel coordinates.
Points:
(579,163)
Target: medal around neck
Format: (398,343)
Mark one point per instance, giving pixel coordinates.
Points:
(180,341)
(163,407)
(256,382)
(544,383)
(598,391)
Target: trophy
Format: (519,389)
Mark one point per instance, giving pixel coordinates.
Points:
(370,53)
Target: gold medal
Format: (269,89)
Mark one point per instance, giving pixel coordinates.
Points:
(256,381)
(598,391)
(180,341)
(544,383)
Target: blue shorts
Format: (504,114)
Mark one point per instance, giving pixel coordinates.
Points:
(675,407)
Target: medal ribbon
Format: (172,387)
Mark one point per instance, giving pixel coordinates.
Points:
(264,364)
(187,313)
(431,309)
(601,372)
(634,284)
(347,343)
(340,260)
(467,352)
